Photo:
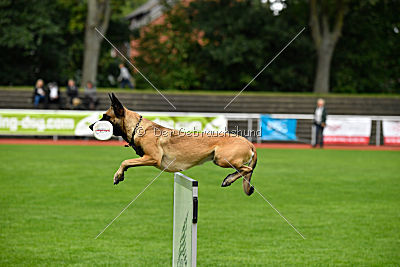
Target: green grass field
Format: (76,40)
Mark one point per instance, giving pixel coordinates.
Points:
(55,199)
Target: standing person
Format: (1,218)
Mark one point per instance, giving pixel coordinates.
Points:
(72,91)
(39,93)
(319,122)
(90,95)
(124,76)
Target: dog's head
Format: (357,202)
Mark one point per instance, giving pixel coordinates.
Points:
(115,115)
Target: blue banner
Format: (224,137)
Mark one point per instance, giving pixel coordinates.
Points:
(278,129)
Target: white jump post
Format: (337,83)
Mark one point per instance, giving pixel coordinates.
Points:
(185,221)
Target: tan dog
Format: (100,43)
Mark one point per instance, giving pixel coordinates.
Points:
(172,150)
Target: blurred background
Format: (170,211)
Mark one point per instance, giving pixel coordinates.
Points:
(200,54)
(205,45)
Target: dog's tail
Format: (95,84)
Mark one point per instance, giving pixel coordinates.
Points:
(247,187)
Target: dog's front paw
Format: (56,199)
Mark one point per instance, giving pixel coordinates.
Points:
(118,177)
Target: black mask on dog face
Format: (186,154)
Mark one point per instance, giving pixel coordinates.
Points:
(104,118)
(117,130)
(119,112)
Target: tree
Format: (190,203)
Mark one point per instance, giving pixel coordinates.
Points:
(44,39)
(167,50)
(29,41)
(98,17)
(118,34)
(222,44)
(326,21)
(242,36)
(367,58)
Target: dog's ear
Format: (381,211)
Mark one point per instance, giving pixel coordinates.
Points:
(117,106)
(109,95)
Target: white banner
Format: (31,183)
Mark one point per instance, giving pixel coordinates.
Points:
(391,132)
(354,130)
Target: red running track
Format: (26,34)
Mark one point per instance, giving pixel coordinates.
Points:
(18,141)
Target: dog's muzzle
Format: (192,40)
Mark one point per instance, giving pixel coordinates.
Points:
(104,118)
(91,126)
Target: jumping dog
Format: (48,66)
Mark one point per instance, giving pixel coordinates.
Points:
(172,151)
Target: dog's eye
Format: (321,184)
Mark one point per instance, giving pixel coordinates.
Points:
(105,117)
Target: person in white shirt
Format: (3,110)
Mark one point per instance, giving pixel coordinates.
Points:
(54,94)
(124,77)
(319,122)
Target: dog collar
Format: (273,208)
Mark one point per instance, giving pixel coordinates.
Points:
(137,149)
(135,129)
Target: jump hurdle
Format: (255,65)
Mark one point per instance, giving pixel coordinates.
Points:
(185,221)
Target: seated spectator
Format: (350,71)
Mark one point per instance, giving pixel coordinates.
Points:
(72,91)
(39,94)
(76,103)
(54,93)
(90,96)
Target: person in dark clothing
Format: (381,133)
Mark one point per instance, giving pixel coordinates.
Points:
(39,94)
(72,91)
(319,122)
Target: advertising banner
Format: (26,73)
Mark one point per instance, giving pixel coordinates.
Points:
(47,122)
(191,123)
(391,132)
(76,123)
(278,129)
(354,130)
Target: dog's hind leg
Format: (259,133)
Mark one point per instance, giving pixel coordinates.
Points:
(238,161)
(241,169)
(247,187)
(241,172)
